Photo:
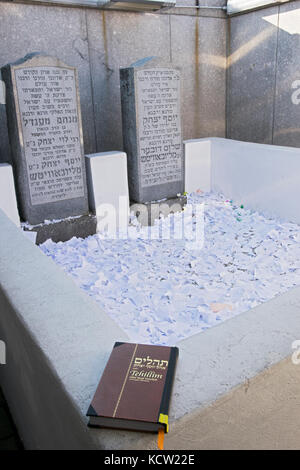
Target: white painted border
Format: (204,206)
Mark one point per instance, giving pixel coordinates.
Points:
(58,341)
(107,183)
(265,178)
(8,200)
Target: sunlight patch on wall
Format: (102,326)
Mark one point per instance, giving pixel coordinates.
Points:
(289,21)
(238,6)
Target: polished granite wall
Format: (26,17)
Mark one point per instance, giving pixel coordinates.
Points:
(98,42)
(263,87)
(239,73)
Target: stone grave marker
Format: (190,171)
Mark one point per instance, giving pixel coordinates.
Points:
(45,131)
(150,95)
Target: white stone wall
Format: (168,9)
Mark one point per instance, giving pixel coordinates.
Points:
(261,177)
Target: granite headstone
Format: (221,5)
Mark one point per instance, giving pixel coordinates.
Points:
(150,96)
(45,131)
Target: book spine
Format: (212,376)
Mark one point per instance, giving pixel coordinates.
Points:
(163,416)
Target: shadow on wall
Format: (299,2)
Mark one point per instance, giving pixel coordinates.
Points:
(264,76)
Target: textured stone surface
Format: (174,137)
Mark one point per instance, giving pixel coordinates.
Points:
(122,38)
(252,75)
(148,213)
(98,42)
(118,39)
(287,113)
(151,116)
(56,31)
(198,47)
(264,75)
(61,231)
(257,415)
(44,123)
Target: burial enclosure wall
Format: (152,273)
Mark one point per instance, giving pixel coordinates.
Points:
(99,42)
(263,87)
(240,74)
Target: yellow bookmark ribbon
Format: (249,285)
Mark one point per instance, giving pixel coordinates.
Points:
(164,419)
(160,439)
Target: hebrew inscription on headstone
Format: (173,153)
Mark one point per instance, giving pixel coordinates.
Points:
(45,130)
(150,93)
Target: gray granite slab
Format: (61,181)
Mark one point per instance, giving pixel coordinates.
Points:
(57,31)
(252,76)
(287,103)
(45,129)
(117,39)
(150,212)
(151,116)
(198,47)
(64,230)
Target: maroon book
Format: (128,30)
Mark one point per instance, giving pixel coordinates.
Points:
(135,388)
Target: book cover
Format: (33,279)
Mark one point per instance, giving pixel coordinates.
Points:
(135,388)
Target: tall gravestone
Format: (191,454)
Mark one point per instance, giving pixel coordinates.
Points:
(45,131)
(150,95)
